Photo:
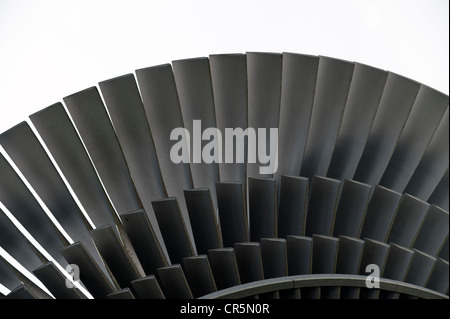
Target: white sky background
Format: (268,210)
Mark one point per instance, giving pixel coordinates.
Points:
(50,49)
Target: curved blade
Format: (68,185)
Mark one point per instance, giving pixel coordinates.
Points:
(173,282)
(332,88)
(56,129)
(264,93)
(142,237)
(421,268)
(124,105)
(434,163)
(433,231)
(262,205)
(375,252)
(409,219)
(173,229)
(322,205)
(147,288)
(351,208)
(440,196)
(362,103)
(248,257)
(193,83)
(92,122)
(224,267)
(422,122)
(398,262)
(380,213)
(293,206)
(325,252)
(30,157)
(274,257)
(229,84)
(115,257)
(91,275)
(349,255)
(439,277)
(203,220)
(55,281)
(299,76)
(25,208)
(199,275)
(299,252)
(121,294)
(398,98)
(163,113)
(232,213)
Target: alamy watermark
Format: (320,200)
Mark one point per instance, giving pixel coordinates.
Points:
(373,280)
(184,151)
(74,272)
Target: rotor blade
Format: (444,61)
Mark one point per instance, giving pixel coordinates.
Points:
(421,268)
(115,256)
(248,257)
(56,282)
(293,206)
(199,275)
(13,241)
(395,105)
(163,113)
(299,252)
(444,251)
(397,267)
(193,83)
(376,253)
(380,213)
(173,282)
(351,208)
(262,205)
(398,262)
(30,157)
(124,105)
(333,83)
(433,232)
(173,229)
(224,267)
(147,288)
(299,76)
(232,213)
(124,293)
(203,219)
(433,164)
(363,99)
(264,93)
(144,241)
(349,255)
(22,292)
(22,204)
(64,144)
(440,196)
(92,122)
(274,257)
(229,84)
(323,199)
(325,251)
(91,275)
(7,278)
(439,277)
(426,113)
(409,219)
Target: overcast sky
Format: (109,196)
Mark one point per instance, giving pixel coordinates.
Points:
(50,49)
